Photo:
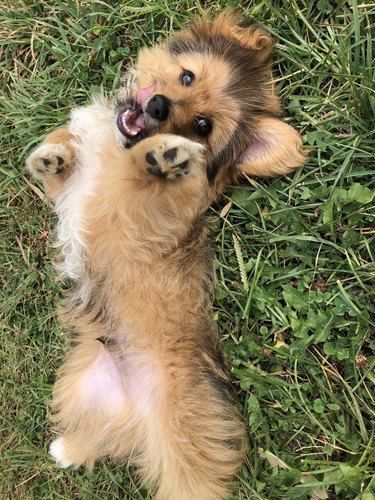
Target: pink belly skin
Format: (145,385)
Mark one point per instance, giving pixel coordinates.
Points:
(109,383)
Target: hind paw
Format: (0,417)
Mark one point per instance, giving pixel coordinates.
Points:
(56,450)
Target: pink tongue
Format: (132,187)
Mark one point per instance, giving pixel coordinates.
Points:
(144,93)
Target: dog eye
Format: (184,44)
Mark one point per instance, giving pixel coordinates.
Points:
(187,78)
(203,126)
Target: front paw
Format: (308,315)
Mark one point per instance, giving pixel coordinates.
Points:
(49,159)
(173,157)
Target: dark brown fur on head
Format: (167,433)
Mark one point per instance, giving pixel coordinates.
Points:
(232,87)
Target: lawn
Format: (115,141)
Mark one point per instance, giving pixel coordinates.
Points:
(295,255)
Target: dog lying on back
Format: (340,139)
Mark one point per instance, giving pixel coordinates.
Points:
(145,379)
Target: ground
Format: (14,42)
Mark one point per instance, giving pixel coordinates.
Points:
(295,255)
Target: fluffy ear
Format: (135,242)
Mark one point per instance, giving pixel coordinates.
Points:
(248,34)
(276,148)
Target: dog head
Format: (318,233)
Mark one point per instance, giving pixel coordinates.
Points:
(212,84)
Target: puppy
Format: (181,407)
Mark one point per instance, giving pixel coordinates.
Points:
(145,379)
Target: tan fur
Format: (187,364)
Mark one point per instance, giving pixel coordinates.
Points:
(145,380)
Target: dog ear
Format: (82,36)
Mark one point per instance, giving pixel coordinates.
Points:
(246,33)
(275,149)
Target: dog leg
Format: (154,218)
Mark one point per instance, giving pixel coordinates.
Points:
(194,437)
(88,395)
(53,161)
(156,189)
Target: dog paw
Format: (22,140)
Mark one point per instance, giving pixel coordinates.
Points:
(49,159)
(173,157)
(56,450)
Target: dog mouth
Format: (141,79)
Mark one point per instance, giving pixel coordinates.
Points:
(133,121)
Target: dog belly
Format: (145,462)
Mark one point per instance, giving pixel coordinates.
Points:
(112,383)
(143,381)
(101,385)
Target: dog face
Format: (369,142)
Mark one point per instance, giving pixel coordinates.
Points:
(212,84)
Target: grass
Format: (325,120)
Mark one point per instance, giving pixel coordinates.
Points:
(295,256)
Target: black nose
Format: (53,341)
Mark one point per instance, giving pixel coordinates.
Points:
(158,107)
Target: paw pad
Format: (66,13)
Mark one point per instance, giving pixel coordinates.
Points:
(170,155)
(157,172)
